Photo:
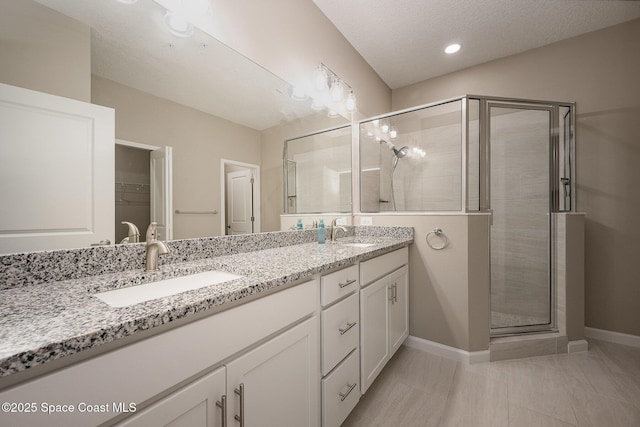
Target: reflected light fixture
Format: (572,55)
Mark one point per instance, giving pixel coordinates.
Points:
(178,25)
(393,134)
(298,94)
(452,48)
(332,114)
(317,104)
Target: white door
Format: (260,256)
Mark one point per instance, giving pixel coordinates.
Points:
(374,332)
(56,172)
(162,192)
(240,202)
(199,404)
(398,309)
(278,382)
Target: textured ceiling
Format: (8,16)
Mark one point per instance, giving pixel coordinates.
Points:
(403,40)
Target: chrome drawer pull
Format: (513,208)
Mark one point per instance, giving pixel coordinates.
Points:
(240,392)
(349,282)
(349,326)
(222,404)
(343,396)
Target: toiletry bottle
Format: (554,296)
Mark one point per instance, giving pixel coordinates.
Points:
(321,231)
(299,225)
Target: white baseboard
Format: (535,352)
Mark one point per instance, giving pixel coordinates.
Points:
(610,336)
(577,346)
(446,351)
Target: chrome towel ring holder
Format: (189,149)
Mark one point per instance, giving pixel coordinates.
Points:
(437,233)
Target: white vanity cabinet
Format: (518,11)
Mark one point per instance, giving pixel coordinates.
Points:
(275,384)
(384,312)
(197,404)
(340,338)
(271,345)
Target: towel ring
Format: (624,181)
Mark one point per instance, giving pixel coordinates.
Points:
(438,233)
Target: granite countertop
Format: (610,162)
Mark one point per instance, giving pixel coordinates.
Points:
(44,322)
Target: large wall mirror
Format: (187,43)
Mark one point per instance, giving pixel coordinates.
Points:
(317,172)
(208,102)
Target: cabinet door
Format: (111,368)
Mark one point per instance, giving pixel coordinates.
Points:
(191,406)
(374,333)
(398,309)
(278,383)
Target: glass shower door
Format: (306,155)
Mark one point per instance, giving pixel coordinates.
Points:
(520,147)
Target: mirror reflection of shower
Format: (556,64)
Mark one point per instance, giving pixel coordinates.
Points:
(397,155)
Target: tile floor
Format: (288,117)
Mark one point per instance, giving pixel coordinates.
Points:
(599,388)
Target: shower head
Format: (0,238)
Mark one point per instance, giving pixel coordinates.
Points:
(401,152)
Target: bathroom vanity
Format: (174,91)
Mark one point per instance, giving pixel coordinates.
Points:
(281,345)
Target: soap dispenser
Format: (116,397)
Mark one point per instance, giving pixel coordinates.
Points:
(321,231)
(299,224)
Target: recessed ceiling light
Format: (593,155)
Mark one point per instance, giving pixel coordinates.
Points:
(452,48)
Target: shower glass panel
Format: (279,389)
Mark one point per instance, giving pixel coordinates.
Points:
(412,160)
(317,172)
(520,158)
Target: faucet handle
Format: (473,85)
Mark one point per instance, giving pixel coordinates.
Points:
(152,232)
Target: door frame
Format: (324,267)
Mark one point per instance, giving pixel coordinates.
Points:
(255,173)
(552,109)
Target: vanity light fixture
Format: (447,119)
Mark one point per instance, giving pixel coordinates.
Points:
(452,48)
(321,78)
(326,81)
(350,102)
(337,90)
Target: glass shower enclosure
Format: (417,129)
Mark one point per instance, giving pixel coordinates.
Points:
(509,158)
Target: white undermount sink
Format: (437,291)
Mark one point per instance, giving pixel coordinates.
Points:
(131,295)
(358,245)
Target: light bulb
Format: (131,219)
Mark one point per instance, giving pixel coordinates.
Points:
(393,133)
(452,48)
(320,79)
(350,103)
(384,128)
(337,90)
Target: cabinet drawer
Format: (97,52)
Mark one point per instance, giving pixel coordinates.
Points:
(341,391)
(340,331)
(338,284)
(384,264)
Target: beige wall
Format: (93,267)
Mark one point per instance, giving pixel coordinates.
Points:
(44,50)
(599,71)
(449,288)
(199,141)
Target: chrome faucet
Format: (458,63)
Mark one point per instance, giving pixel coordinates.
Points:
(155,248)
(335,228)
(134,233)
